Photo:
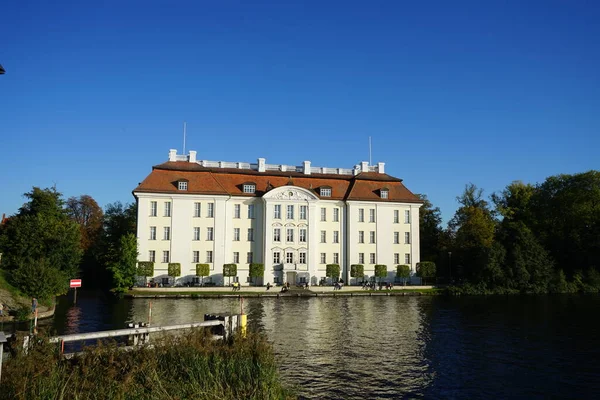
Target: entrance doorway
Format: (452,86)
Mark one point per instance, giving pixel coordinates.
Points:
(290,277)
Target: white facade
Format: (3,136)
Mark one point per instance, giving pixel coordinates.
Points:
(292,230)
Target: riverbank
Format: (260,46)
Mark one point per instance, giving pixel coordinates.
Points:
(191,366)
(18,305)
(258,291)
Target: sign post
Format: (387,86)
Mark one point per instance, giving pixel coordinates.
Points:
(75,283)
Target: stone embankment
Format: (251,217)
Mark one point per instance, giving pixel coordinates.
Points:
(254,291)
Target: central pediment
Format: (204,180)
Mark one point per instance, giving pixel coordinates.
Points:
(291,193)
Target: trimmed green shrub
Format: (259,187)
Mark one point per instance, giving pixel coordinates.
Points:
(380,271)
(332,271)
(403,272)
(257,270)
(357,271)
(229,270)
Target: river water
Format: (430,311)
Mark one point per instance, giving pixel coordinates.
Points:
(398,347)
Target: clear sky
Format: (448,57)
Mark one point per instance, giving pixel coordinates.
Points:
(451,92)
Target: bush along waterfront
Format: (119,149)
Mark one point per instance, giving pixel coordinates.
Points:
(188,366)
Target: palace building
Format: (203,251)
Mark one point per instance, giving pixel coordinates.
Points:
(293,219)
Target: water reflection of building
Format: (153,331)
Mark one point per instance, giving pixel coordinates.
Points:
(293,219)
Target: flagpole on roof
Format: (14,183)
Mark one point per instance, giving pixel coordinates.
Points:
(184,129)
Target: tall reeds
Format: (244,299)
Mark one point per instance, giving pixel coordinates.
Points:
(189,366)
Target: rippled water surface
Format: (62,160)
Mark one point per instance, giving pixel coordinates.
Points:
(393,347)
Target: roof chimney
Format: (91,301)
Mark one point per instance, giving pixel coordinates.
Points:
(381,167)
(306,167)
(192,156)
(262,166)
(172,155)
(364,166)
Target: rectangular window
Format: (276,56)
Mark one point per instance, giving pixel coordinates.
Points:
(209,234)
(372,258)
(336,258)
(396,216)
(323,237)
(276,257)
(152,256)
(290,212)
(251,234)
(167,209)
(197,208)
(166,233)
(407,258)
(396,258)
(396,237)
(195,256)
(361,215)
(384,194)
(407,217)
(249,188)
(303,212)
(325,192)
(209,256)
(236,257)
(290,235)
(302,235)
(336,237)
(361,258)
(196,233)
(372,215)
(183,185)
(277,211)
(210,210)
(302,257)
(152,233)
(372,237)
(236,234)
(406,237)
(250,211)
(323,214)
(361,236)
(323,258)
(237,210)
(166,256)
(277,235)
(153,207)
(289,257)
(249,257)
(336,215)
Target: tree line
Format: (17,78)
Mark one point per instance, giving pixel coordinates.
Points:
(51,240)
(527,238)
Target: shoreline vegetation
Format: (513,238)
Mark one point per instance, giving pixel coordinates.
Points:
(186,366)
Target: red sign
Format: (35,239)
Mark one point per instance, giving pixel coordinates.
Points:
(75,282)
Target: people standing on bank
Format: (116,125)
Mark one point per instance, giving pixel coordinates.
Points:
(34,304)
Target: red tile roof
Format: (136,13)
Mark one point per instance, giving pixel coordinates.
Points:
(230,181)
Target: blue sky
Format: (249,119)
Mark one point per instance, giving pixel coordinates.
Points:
(451,92)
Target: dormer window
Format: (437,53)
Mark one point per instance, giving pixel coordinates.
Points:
(249,187)
(182,185)
(325,192)
(384,193)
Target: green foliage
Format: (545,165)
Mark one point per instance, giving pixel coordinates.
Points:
(229,270)
(41,245)
(257,270)
(332,271)
(403,272)
(174,269)
(190,366)
(145,268)
(23,313)
(380,271)
(473,227)
(202,269)
(426,270)
(357,271)
(430,231)
(122,263)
